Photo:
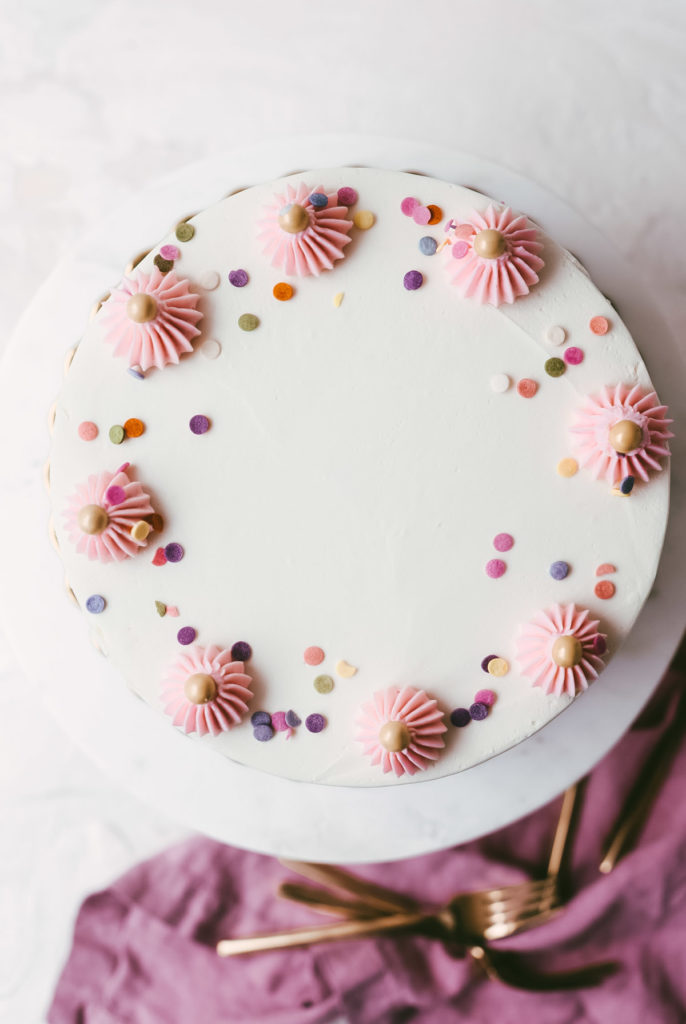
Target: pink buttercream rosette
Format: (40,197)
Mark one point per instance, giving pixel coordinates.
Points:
(163,339)
(223,711)
(418,712)
(535,642)
(115,543)
(318,246)
(590,433)
(505,278)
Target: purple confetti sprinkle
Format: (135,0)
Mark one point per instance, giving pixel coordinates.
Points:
(173,552)
(95,604)
(169,252)
(599,645)
(279,721)
(413,280)
(241,651)
(260,718)
(199,424)
(478,711)
(558,570)
(186,635)
(495,568)
(292,720)
(115,495)
(460,717)
(487,660)
(315,723)
(319,200)
(347,196)
(238,278)
(262,733)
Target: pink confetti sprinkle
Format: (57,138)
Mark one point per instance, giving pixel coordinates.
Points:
(495,568)
(88,431)
(313,656)
(279,721)
(605,569)
(460,250)
(599,325)
(503,541)
(421,215)
(160,559)
(169,252)
(409,205)
(573,355)
(115,495)
(464,231)
(486,697)
(173,611)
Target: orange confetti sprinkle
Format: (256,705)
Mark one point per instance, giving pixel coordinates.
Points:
(568,467)
(526,387)
(436,214)
(134,428)
(604,590)
(599,324)
(282,291)
(605,569)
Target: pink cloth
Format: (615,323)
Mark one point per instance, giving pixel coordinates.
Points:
(144,948)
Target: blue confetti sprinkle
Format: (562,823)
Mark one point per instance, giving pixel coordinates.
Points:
(428,245)
(95,604)
(260,718)
(627,484)
(558,570)
(262,733)
(319,200)
(292,720)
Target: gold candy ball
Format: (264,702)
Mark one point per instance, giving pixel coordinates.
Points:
(489,244)
(141,308)
(567,651)
(294,218)
(394,736)
(625,436)
(200,688)
(93,519)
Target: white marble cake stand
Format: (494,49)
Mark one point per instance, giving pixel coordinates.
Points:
(135,745)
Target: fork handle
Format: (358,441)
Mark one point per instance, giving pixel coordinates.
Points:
(562,830)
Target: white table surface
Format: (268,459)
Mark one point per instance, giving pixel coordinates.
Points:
(588,100)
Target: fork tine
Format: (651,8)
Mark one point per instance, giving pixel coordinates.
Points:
(511,925)
(513,891)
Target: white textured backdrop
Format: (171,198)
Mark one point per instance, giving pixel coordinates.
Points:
(98,96)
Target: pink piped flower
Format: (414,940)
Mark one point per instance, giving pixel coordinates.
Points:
(114,502)
(227,691)
(539,659)
(423,722)
(321,241)
(595,419)
(166,334)
(511,270)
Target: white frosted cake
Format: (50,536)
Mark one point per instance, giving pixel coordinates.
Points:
(358,478)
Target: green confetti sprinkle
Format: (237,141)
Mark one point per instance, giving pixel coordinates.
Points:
(164,265)
(184,232)
(323,684)
(160,608)
(248,322)
(555,367)
(117,434)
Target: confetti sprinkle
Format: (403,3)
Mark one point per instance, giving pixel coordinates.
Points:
(170,252)
(495,568)
(184,232)
(262,733)
(164,266)
(319,200)
(428,245)
(238,278)
(323,684)
(282,291)
(159,558)
(500,383)
(409,205)
(526,387)
(134,428)
(186,635)
(173,611)
(567,467)
(241,651)
(260,718)
(503,541)
(313,655)
(421,215)
(605,569)
(160,608)
(347,196)
(156,521)
(599,325)
(436,213)
(209,280)
(211,348)
(87,430)
(573,355)
(487,660)
(599,645)
(554,367)
(248,321)
(279,722)
(556,335)
(364,219)
(315,723)
(559,570)
(460,717)
(345,670)
(486,697)
(292,720)
(199,424)
(478,712)
(174,552)
(115,495)
(460,249)
(605,589)
(95,604)
(337,299)
(117,434)
(136,372)
(498,667)
(413,280)
(140,530)
(627,484)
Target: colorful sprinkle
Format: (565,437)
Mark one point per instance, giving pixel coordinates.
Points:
(241,651)
(292,720)
(323,684)
(559,570)
(170,252)
(462,230)
(567,467)
(315,723)
(174,552)
(211,348)
(498,667)
(186,635)
(141,530)
(500,383)
(599,325)
(159,558)
(95,604)
(486,661)
(134,428)
(627,484)
(409,205)
(88,431)
(347,196)
(345,670)
(313,655)
(486,697)
(605,589)
(428,245)
(184,232)
(160,608)
(319,200)
(364,219)
(199,424)
(503,541)
(338,298)
(248,321)
(136,372)
(209,280)
(605,569)
(599,644)
(279,722)
(460,249)
(260,718)
(421,215)
(156,521)
(282,291)
(478,712)
(495,568)
(117,434)
(554,367)
(262,733)
(115,495)
(413,280)
(238,278)
(164,266)
(573,355)
(555,335)
(526,387)
(173,611)
(436,213)
(460,717)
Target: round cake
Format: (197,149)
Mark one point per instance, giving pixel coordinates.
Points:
(358,478)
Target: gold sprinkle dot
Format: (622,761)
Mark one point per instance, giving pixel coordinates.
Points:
(364,219)
(337,299)
(567,467)
(498,667)
(345,670)
(140,530)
